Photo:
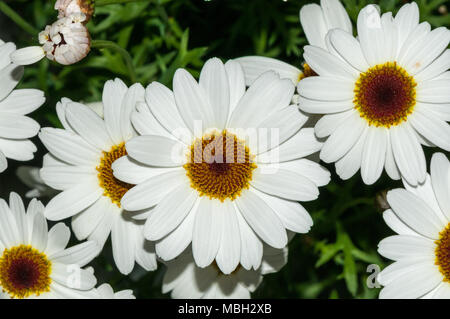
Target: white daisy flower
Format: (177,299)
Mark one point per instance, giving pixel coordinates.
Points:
(34,262)
(15,127)
(105,291)
(30,176)
(79,165)
(209,185)
(66,41)
(187,281)
(316,21)
(382,95)
(421,250)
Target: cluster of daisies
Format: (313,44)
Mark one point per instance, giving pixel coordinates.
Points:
(207,177)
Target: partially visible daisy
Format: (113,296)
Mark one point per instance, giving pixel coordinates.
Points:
(67,8)
(15,127)
(105,291)
(383,95)
(187,281)
(34,261)
(66,41)
(79,165)
(316,21)
(203,178)
(421,250)
(30,176)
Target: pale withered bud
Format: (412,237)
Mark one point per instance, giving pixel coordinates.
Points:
(66,41)
(67,8)
(381,201)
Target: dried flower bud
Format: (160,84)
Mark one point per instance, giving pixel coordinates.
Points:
(66,8)
(381,201)
(66,41)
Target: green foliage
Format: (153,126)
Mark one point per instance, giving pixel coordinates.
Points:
(163,35)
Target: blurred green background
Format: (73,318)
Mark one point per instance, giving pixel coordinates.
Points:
(163,35)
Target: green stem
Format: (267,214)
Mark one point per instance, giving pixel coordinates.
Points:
(106,2)
(8,11)
(104,44)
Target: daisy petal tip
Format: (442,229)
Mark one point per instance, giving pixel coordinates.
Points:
(27,56)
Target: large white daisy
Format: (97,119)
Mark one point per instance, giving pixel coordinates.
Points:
(187,281)
(383,95)
(15,127)
(207,184)
(316,21)
(421,250)
(79,165)
(34,261)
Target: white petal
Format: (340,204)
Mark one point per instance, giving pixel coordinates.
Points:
(285,184)
(69,147)
(19,150)
(131,171)
(178,240)
(123,244)
(254,66)
(134,95)
(320,107)
(327,64)
(170,212)
(9,77)
(371,35)
(22,101)
(156,150)
(26,56)
(161,102)
(440,178)
(113,94)
(17,126)
(236,82)
(390,165)
(350,163)
(326,88)
(415,213)
(302,144)
(39,234)
(80,254)
(251,245)
(73,277)
(262,219)
(72,201)
(408,153)
(89,125)
(5,51)
(434,91)
(9,235)
(3,162)
(349,49)
(432,128)
(67,176)
(58,238)
(313,24)
(407,19)
(335,15)
(328,123)
(343,138)
(436,68)
(406,246)
(214,81)
(229,252)
(84,223)
(207,231)
(396,224)
(374,154)
(153,190)
(192,101)
(266,95)
(308,168)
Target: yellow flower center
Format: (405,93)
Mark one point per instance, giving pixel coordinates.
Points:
(307,72)
(385,95)
(24,271)
(442,252)
(113,188)
(219,166)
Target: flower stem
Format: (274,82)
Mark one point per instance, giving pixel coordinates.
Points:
(8,11)
(104,44)
(106,2)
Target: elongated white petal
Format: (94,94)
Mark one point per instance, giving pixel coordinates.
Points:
(27,55)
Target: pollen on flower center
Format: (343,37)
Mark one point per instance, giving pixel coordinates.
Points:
(113,188)
(385,95)
(219,166)
(24,271)
(442,252)
(307,72)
